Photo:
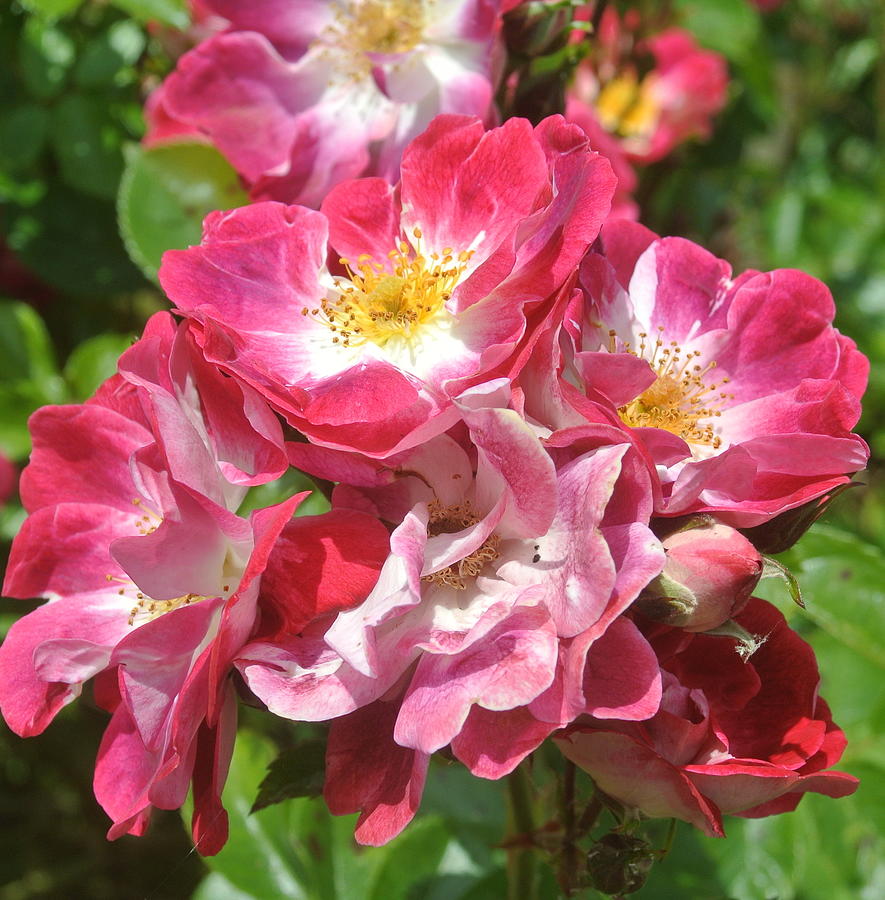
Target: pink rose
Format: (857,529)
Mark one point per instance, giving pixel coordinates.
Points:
(744,738)
(360,323)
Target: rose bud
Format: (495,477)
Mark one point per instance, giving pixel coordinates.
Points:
(710,573)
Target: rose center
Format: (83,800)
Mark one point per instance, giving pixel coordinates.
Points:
(628,107)
(683,399)
(394,301)
(450,520)
(363,27)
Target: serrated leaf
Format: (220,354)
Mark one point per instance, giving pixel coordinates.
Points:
(298,771)
(165,193)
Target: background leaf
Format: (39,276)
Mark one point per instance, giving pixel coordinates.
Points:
(166,192)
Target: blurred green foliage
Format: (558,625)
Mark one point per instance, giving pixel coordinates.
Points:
(793,176)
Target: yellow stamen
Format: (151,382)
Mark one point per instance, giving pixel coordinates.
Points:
(680,400)
(378,302)
(449,520)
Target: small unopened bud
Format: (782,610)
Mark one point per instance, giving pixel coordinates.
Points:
(710,573)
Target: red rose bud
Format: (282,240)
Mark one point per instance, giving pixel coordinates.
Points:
(710,573)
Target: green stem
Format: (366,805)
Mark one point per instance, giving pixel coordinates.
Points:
(521,881)
(568,859)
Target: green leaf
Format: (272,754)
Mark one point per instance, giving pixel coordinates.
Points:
(216,887)
(730,27)
(102,59)
(46,54)
(51,9)
(23,131)
(843,583)
(92,362)
(166,192)
(290,482)
(260,858)
(25,346)
(169,12)
(71,239)
(298,771)
(87,145)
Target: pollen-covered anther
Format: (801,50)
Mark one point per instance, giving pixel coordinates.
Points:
(362,28)
(147,608)
(148,521)
(449,520)
(680,400)
(377,302)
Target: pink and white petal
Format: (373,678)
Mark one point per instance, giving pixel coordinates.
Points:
(623,243)
(186,555)
(291,26)
(810,407)
(363,219)
(454,157)
(155,660)
(302,679)
(681,287)
(512,462)
(579,574)
(239,91)
(320,565)
(260,266)
(509,667)
(781,326)
(124,771)
(397,590)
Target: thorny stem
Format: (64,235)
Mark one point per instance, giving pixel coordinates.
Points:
(521,882)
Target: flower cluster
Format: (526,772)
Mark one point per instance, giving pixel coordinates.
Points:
(540,435)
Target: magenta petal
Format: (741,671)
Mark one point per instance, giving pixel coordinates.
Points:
(367,771)
(88,625)
(363,219)
(236,89)
(493,180)
(620,376)
(124,770)
(613,761)
(493,743)
(77,442)
(622,679)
